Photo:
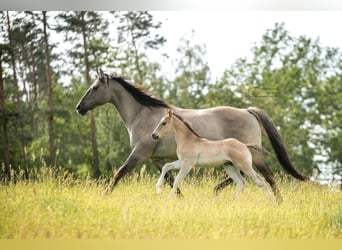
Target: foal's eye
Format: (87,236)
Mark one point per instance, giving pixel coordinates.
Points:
(163,123)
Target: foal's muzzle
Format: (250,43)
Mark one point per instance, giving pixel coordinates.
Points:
(155,136)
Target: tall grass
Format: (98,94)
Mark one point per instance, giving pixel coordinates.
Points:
(62,207)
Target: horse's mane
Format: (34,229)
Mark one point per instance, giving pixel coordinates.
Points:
(138,93)
(187,125)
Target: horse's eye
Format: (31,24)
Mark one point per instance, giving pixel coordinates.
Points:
(95,88)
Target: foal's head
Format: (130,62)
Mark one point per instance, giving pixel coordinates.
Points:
(97,94)
(164,125)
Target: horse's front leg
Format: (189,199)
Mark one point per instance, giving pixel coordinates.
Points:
(133,159)
(222,185)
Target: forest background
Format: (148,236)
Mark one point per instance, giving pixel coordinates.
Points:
(296,80)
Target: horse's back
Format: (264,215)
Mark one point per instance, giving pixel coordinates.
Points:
(223,122)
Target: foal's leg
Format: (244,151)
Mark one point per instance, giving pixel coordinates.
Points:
(184,170)
(261,165)
(168,176)
(234,173)
(167,167)
(224,183)
(257,179)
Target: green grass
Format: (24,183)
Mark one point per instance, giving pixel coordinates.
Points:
(60,207)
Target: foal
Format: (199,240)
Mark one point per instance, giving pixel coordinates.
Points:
(194,150)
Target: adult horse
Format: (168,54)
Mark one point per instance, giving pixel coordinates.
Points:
(141,113)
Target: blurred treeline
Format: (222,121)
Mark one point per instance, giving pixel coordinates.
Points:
(48,59)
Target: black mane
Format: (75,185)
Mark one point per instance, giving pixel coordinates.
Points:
(139,94)
(187,125)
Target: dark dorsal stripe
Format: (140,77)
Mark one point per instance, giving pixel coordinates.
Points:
(187,125)
(139,94)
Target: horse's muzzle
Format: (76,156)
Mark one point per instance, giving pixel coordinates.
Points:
(80,110)
(155,136)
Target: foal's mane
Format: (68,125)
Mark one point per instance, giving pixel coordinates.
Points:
(138,93)
(186,124)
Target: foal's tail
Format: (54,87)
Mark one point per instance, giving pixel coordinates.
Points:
(277,143)
(257,148)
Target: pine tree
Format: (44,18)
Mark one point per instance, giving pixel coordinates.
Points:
(136,34)
(50,93)
(86,27)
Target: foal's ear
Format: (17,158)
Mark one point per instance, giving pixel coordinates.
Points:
(169,112)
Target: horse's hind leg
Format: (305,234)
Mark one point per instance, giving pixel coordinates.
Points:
(262,166)
(234,173)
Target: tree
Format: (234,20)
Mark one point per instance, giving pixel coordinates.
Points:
(12,51)
(285,77)
(329,106)
(135,30)
(192,81)
(87,25)
(50,93)
(6,176)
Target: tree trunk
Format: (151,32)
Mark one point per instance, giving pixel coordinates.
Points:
(136,55)
(13,59)
(6,176)
(50,96)
(96,169)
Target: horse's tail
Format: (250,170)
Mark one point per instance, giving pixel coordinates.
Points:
(277,143)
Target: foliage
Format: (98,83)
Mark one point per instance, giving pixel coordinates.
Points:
(288,78)
(295,80)
(192,80)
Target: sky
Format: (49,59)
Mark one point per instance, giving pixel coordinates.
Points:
(229,35)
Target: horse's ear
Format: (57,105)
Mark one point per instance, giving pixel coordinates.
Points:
(100,73)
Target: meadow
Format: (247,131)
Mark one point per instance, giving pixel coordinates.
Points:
(61,207)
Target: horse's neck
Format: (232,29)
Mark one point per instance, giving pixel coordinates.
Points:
(126,105)
(181,131)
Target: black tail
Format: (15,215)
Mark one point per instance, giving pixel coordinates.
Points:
(277,143)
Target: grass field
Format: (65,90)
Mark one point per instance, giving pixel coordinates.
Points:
(60,207)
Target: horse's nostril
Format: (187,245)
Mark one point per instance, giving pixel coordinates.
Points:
(155,136)
(81,110)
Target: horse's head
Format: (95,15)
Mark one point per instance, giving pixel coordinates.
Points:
(164,126)
(97,94)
